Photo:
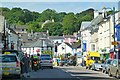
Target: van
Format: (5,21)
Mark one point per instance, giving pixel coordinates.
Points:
(91,58)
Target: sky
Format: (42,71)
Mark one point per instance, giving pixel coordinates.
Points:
(67,7)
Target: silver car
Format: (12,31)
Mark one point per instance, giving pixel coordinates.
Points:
(46,62)
(10,65)
(97,66)
(114,69)
(106,66)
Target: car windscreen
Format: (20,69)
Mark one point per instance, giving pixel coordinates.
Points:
(95,58)
(119,61)
(9,58)
(45,58)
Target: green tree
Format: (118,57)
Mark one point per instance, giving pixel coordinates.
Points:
(69,23)
(47,15)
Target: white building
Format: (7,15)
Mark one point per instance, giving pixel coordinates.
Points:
(85,37)
(64,48)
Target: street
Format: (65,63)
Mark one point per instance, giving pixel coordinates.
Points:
(67,73)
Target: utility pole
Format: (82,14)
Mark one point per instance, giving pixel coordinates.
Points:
(4,34)
(114,26)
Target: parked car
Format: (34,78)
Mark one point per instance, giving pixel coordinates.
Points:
(19,54)
(10,65)
(46,62)
(97,65)
(114,69)
(106,66)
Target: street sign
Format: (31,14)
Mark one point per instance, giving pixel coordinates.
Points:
(115,43)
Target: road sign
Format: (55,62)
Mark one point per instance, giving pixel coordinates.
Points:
(115,43)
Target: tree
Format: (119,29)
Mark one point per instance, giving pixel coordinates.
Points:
(47,15)
(54,28)
(69,24)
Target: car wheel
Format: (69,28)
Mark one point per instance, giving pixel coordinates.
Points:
(18,76)
(117,75)
(51,67)
(103,70)
(109,73)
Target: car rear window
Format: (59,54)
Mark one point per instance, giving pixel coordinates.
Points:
(9,58)
(45,55)
(46,58)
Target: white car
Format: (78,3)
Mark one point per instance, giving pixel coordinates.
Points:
(10,65)
(97,66)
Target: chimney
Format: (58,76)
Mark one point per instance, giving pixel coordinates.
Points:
(96,13)
(104,12)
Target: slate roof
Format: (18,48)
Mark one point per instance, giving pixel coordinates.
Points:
(68,44)
(76,45)
(69,36)
(56,37)
(84,25)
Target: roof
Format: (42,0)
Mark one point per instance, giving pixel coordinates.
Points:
(76,45)
(96,20)
(56,37)
(68,44)
(69,36)
(38,43)
(94,54)
(84,25)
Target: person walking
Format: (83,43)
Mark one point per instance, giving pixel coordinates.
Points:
(32,64)
(26,63)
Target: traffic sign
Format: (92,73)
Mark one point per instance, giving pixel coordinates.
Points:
(115,43)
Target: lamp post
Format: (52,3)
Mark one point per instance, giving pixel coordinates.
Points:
(4,35)
(114,26)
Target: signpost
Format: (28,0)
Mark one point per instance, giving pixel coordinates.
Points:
(115,43)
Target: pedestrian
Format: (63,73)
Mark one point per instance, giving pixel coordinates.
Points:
(26,62)
(32,64)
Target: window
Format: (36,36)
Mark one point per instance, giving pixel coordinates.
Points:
(9,58)
(93,47)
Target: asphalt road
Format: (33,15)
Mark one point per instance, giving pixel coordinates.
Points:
(81,73)
(66,73)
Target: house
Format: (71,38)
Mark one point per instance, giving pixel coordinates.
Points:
(1,31)
(13,41)
(19,28)
(85,37)
(76,47)
(37,42)
(103,26)
(64,48)
(70,39)
(56,39)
